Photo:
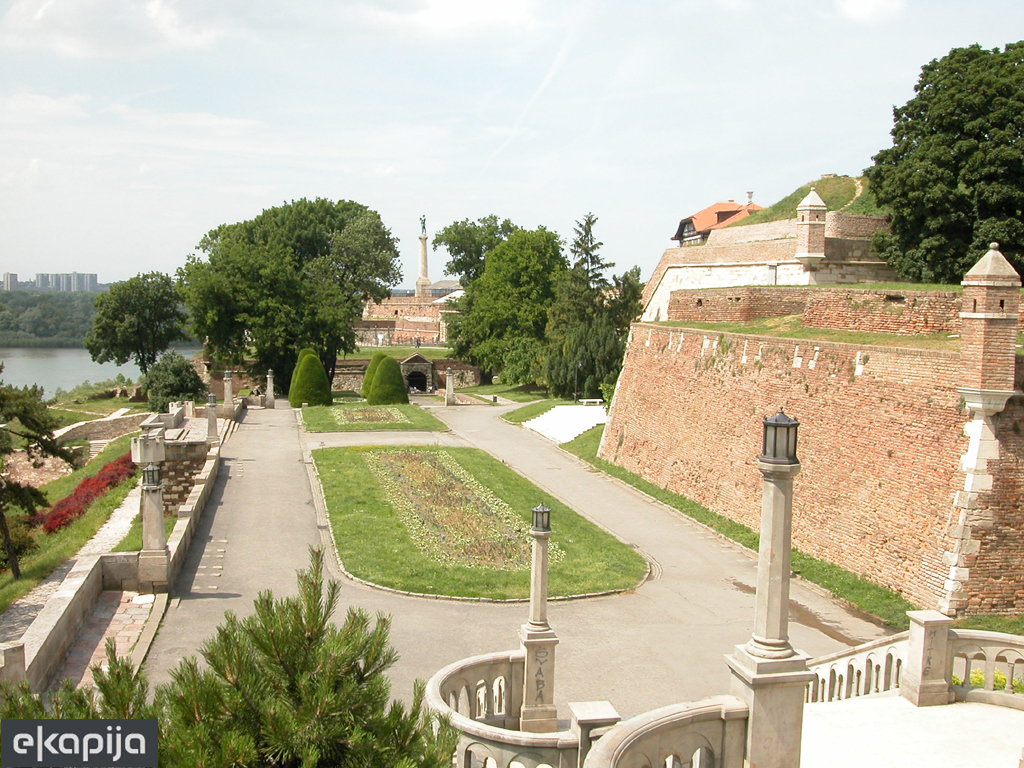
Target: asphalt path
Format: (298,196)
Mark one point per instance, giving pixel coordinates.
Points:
(659,644)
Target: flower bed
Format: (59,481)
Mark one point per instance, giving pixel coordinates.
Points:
(91,488)
(371,415)
(450,516)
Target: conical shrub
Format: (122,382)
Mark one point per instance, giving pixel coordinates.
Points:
(309,384)
(371,369)
(388,386)
(302,353)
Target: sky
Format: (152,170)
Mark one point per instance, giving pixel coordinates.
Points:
(129,128)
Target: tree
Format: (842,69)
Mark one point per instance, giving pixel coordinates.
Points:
(297,275)
(585,249)
(509,300)
(172,378)
(136,319)
(469,242)
(298,362)
(282,687)
(388,386)
(24,419)
(954,177)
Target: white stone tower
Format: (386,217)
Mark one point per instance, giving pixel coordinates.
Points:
(810,233)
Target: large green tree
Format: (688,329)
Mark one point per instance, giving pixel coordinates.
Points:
(296,275)
(136,319)
(509,301)
(25,422)
(954,177)
(589,319)
(469,242)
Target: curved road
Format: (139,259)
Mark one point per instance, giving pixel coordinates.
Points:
(660,644)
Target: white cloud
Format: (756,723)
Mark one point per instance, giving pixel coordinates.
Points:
(104,28)
(36,108)
(871,11)
(450,17)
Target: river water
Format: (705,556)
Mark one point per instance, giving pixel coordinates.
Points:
(63,368)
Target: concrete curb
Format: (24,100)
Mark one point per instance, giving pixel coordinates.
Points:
(145,640)
(323,524)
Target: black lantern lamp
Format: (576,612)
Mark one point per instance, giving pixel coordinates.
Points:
(541,519)
(211,400)
(151,475)
(779,443)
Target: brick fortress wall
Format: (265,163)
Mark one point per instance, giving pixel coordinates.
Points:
(414,318)
(880,442)
(845,309)
(183,462)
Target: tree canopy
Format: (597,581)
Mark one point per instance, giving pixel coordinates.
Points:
(510,300)
(136,319)
(469,242)
(954,177)
(296,275)
(172,378)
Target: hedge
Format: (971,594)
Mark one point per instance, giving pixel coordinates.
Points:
(371,371)
(67,510)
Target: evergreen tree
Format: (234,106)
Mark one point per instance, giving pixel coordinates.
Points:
(371,370)
(311,384)
(388,386)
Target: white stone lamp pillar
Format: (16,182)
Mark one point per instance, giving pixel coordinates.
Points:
(268,399)
(449,388)
(229,396)
(538,714)
(767,673)
(153,559)
(211,418)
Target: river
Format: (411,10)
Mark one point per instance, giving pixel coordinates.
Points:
(55,368)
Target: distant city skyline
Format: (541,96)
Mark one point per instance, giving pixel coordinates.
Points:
(131,129)
(64,282)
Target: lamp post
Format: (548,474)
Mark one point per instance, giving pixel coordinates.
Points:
(576,381)
(538,714)
(767,673)
(449,387)
(153,559)
(229,397)
(268,399)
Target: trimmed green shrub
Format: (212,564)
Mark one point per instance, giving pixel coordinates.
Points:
(21,536)
(371,369)
(302,353)
(172,378)
(309,384)
(388,386)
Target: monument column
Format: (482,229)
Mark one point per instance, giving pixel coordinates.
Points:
(539,714)
(423,282)
(767,673)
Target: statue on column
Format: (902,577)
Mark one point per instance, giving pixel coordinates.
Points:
(423,225)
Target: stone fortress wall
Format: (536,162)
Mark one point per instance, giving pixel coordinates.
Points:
(904,482)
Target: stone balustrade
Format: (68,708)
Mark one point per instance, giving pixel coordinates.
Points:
(990,652)
(482,696)
(880,666)
(710,732)
(873,667)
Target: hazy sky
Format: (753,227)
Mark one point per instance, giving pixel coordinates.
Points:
(130,128)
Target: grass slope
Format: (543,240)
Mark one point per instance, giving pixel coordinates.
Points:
(836,191)
(57,547)
(871,598)
(520,394)
(375,545)
(532,411)
(321,418)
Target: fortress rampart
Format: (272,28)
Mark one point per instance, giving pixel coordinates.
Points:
(883,431)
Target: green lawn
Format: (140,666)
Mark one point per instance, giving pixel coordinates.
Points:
(887,605)
(360,417)
(520,394)
(57,547)
(376,544)
(532,411)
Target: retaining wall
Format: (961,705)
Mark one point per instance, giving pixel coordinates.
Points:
(880,443)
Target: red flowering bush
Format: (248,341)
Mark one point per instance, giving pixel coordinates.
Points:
(91,488)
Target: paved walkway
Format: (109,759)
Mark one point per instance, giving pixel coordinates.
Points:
(670,633)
